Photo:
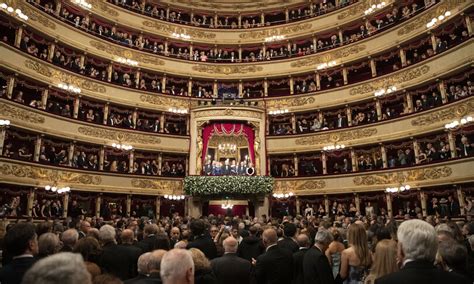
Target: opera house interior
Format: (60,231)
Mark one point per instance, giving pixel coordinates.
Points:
(179,109)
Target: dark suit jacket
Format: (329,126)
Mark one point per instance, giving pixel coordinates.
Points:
(316,268)
(147,244)
(421,272)
(231,269)
(135,280)
(153,278)
(120,260)
(275,266)
(250,247)
(205,244)
(14,271)
(289,244)
(298,257)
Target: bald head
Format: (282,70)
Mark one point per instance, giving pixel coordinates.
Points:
(302,240)
(154,262)
(269,237)
(142,263)
(70,237)
(177,267)
(127,236)
(230,245)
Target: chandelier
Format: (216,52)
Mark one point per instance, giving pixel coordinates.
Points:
(401,188)
(4,122)
(227,148)
(11,10)
(456,123)
(121,146)
(55,188)
(83,4)
(334,147)
(174,197)
(283,195)
(69,88)
(227,205)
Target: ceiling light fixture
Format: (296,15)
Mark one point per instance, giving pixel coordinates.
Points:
(174,197)
(122,146)
(83,4)
(437,20)
(326,65)
(374,8)
(382,92)
(278,111)
(334,147)
(69,88)
(4,122)
(456,123)
(283,195)
(401,188)
(55,188)
(181,36)
(178,110)
(10,10)
(127,61)
(274,38)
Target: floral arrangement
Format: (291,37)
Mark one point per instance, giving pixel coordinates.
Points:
(222,185)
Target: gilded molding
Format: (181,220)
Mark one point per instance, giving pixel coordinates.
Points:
(450,113)
(173,185)
(311,185)
(358,8)
(49,175)
(20,114)
(220,69)
(287,186)
(330,56)
(404,176)
(290,102)
(323,139)
(36,16)
(126,53)
(169,29)
(62,77)
(229,112)
(162,101)
(397,79)
(104,7)
(219,5)
(290,30)
(121,136)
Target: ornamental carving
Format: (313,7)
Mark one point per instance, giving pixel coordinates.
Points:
(48,175)
(450,113)
(118,135)
(162,101)
(229,112)
(158,184)
(36,16)
(404,176)
(85,84)
(227,70)
(169,29)
(104,7)
(287,186)
(336,137)
(358,8)
(288,31)
(330,56)
(231,5)
(312,185)
(420,22)
(397,79)
(292,102)
(20,114)
(125,53)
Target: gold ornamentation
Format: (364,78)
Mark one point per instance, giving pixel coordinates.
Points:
(162,101)
(230,5)
(220,69)
(170,29)
(129,54)
(444,114)
(291,102)
(118,135)
(312,185)
(330,56)
(104,7)
(20,114)
(356,9)
(49,175)
(404,176)
(36,16)
(61,77)
(229,112)
(287,186)
(397,79)
(336,137)
(290,30)
(168,185)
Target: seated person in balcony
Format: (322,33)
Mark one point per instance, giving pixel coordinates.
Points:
(341,120)
(122,167)
(445,152)
(180,170)
(19,98)
(174,170)
(165,170)
(466,148)
(24,153)
(128,122)
(431,153)
(90,117)
(66,111)
(217,168)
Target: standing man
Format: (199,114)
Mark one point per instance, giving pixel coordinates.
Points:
(230,268)
(316,268)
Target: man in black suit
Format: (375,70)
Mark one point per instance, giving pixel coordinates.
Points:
(251,246)
(132,252)
(149,238)
(454,209)
(275,266)
(316,268)
(84,227)
(303,242)
(288,242)
(417,247)
(142,267)
(202,239)
(154,265)
(21,243)
(230,268)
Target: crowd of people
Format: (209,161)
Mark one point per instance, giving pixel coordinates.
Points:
(338,247)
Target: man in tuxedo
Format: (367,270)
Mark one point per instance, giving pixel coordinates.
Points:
(202,240)
(200,92)
(454,209)
(275,266)
(316,268)
(298,257)
(153,267)
(21,243)
(251,246)
(230,268)
(142,267)
(417,247)
(288,242)
(132,253)
(149,238)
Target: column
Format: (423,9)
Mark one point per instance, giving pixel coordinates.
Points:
(240,53)
(357,202)
(298,205)
(409,101)
(101,158)
(216,19)
(373,68)
(292,85)
(388,198)
(315,44)
(3,133)
(106,113)
(423,203)
(162,123)
(18,36)
(241,88)
(349,115)
(433,43)
(467,19)
(353,160)
(293,122)
(190,87)
(403,57)
(214,89)
(326,205)
(265,88)
(82,60)
(344,75)
(188,125)
(167,13)
(163,84)
(10,86)
(262,19)
(239,21)
(70,152)
(130,161)
(267,125)
(191,50)
(137,78)
(77,101)
(295,161)
(378,107)
(128,205)
(452,144)
(135,118)
(323,158)
(157,207)
(65,204)
(166,47)
(264,49)
(461,201)
(186,164)
(341,37)
(287,19)
(58,7)
(44,98)
(29,206)
(38,143)
(416,150)
(110,70)
(160,163)
(384,156)
(98,202)
(51,49)
(318,81)
(442,91)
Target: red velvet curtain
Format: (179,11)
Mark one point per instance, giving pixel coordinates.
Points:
(237,210)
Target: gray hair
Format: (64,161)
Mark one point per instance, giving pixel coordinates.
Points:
(418,240)
(48,244)
(175,264)
(142,263)
(70,237)
(64,268)
(107,233)
(323,237)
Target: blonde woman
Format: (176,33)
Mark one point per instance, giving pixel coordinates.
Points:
(385,260)
(356,259)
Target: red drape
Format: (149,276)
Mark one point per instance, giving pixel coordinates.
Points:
(237,210)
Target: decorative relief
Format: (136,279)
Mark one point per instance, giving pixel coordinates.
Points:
(62,77)
(291,102)
(219,69)
(287,186)
(231,5)
(450,113)
(20,114)
(288,31)
(336,137)
(48,175)
(157,184)
(330,56)
(118,135)
(229,112)
(397,79)
(36,16)
(169,29)
(311,185)
(162,101)
(404,176)
(130,54)
(104,7)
